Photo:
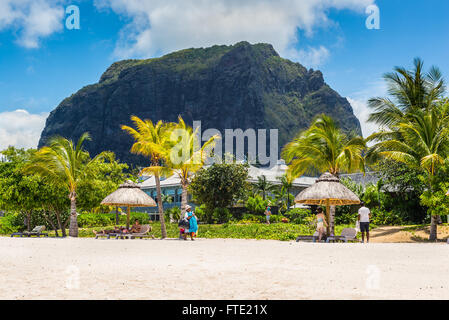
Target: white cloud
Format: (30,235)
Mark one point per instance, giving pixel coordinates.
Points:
(21,129)
(32,19)
(359,102)
(160,26)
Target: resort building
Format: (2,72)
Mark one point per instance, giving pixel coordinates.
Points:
(171,186)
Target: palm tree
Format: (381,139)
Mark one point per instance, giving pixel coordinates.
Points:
(187,155)
(152,141)
(263,185)
(286,184)
(421,141)
(410,91)
(62,163)
(324,147)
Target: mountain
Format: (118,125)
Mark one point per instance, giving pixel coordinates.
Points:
(226,87)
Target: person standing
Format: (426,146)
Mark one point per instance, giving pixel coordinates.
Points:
(268,214)
(364,218)
(321,223)
(193,223)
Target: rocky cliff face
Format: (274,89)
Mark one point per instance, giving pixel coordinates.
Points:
(226,87)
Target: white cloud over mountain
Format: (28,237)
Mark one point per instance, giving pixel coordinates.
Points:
(161,26)
(20,128)
(32,20)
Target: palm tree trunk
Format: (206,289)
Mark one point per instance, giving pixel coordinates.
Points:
(332,220)
(58,218)
(28,214)
(183,199)
(160,206)
(73,229)
(433,228)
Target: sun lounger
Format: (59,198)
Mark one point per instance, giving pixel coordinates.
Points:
(144,233)
(313,238)
(347,235)
(37,231)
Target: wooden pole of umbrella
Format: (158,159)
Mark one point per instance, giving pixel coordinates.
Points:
(129,194)
(327,191)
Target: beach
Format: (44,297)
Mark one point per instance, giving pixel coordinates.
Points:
(83,268)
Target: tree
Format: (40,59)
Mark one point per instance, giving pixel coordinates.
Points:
(105,176)
(187,156)
(263,186)
(421,141)
(29,194)
(153,141)
(220,185)
(324,147)
(286,184)
(66,164)
(409,91)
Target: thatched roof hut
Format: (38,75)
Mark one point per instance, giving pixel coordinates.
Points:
(129,195)
(327,190)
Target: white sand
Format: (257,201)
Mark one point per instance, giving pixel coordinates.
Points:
(219,269)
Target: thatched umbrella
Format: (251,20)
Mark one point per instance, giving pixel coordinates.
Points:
(129,195)
(327,191)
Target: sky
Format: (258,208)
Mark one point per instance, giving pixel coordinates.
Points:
(45,57)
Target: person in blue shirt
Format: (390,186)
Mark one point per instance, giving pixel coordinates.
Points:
(193,222)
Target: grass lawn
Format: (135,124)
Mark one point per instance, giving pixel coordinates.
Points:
(275,231)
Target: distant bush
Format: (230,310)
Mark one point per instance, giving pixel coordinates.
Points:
(10,224)
(383,217)
(256,205)
(172,213)
(298,216)
(221,215)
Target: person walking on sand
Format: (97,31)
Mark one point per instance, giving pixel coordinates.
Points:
(321,223)
(193,223)
(363,218)
(268,214)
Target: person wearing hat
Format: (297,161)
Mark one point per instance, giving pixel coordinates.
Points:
(193,222)
(363,218)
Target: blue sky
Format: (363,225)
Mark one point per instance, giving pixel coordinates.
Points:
(42,62)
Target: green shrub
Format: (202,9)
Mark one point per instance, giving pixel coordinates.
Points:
(173,213)
(9,223)
(297,215)
(383,217)
(221,215)
(252,218)
(203,214)
(256,205)
(87,220)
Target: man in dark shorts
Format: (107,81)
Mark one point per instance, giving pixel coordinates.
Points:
(363,218)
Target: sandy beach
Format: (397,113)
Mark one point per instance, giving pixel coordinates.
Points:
(220,269)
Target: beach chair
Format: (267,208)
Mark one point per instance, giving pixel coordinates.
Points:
(312,238)
(347,235)
(37,231)
(144,233)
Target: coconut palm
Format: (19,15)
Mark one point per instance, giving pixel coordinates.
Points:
(263,186)
(63,163)
(409,90)
(152,141)
(286,184)
(420,140)
(187,155)
(324,147)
